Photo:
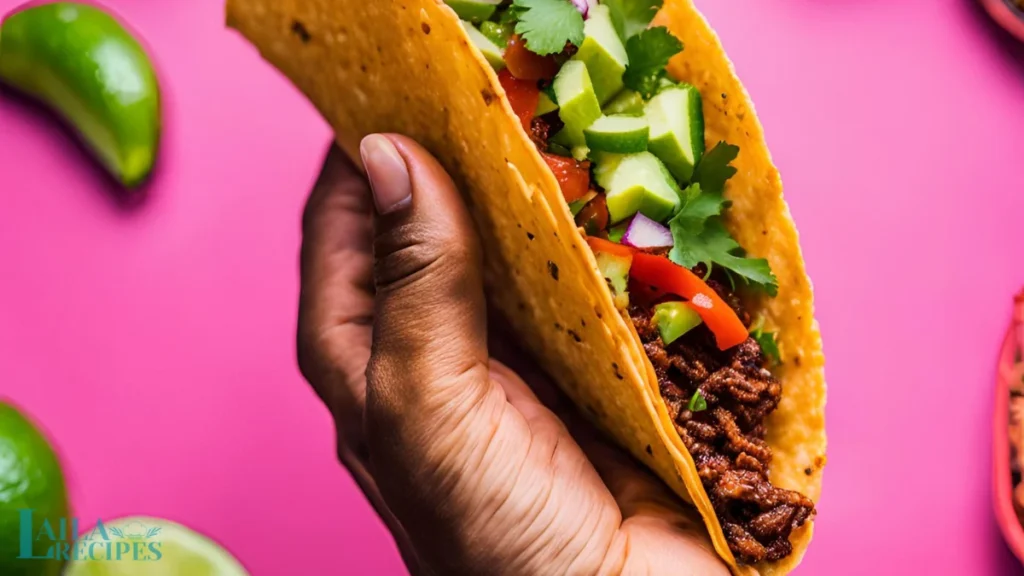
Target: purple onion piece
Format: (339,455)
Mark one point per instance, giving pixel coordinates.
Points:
(643,232)
(583,6)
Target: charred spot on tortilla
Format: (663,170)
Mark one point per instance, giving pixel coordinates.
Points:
(618,374)
(575,336)
(489,96)
(362,68)
(425,27)
(808,471)
(553,270)
(299,29)
(558,326)
(530,236)
(649,451)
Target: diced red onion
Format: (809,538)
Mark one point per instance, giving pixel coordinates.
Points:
(643,232)
(583,6)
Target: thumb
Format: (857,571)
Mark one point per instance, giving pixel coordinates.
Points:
(429,357)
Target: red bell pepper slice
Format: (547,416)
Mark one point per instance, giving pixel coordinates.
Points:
(573,177)
(669,277)
(523,95)
(601,245)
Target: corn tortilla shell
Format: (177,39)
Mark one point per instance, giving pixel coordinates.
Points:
(407,66)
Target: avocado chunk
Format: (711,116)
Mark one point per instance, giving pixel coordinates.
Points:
(674,319)
(676,116)
(615,270)
(490,50)
(603,53)
(641,183)
(605,164)
(628,102)
(497,32)
(578,103)
(620,134)
(545,105)
(474,10)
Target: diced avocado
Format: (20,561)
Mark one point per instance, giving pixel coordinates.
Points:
(615,233)
(490,49)
(620,134)
(497,33)
(626,102)
(666,82)
(674,319)
(615,269)
(677,129)
(605,164)
(545,105)
(474,10)
(641,183)
(603,53)
(578,105)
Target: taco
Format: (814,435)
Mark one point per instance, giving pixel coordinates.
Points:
(633,222)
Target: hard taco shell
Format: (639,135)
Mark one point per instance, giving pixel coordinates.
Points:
(407,66)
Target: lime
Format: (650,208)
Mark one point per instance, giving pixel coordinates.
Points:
(30,479)
(141,546)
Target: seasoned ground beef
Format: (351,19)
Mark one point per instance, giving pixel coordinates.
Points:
(727,439)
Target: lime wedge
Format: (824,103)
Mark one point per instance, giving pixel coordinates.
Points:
(150,547)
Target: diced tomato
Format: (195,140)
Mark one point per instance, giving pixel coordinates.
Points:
(526,65)
(594,216)
(523,95)
(573,177)
(602,245)
(667,277)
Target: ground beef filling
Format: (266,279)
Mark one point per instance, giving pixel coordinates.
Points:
(727,439)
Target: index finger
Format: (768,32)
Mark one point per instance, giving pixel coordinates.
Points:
(336,299)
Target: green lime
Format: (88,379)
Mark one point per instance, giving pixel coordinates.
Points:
(30,479)
(140,546)
(83,63)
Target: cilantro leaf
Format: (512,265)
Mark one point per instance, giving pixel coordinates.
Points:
(547,25)
(700,237)
(649,53)
(713,169)
(768,344)
(697,207)
(632,17)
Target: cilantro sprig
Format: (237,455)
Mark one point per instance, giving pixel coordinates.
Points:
(697,229)
(631,17)
(547,25)
(649,53)
(767,341)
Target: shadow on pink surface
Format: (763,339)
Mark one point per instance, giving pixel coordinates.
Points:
(78,150)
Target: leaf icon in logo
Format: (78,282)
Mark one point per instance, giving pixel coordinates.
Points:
(116,531)
(152,532)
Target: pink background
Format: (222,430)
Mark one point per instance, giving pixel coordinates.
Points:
(155,341)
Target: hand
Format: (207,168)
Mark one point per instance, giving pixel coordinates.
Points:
(471,472)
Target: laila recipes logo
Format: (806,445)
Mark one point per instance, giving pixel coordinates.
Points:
(62,540)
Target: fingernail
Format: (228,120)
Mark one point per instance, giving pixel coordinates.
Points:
(388,174)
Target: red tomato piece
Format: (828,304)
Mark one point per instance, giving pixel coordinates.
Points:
(573,177)
(594,216)
(526,65)
(523,95)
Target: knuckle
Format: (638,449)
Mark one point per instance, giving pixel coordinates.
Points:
(412,252)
